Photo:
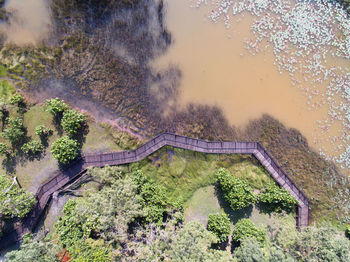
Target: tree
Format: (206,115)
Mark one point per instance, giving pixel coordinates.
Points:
(56,107)
(236,191)
(43,131)
(15,130)
(65,150)
(277,198)
(219,225)
(44,250)
(32,148)
(244,228)
(193,243)
(72,122)
(18,99)
(249,251)
(4,150)
(14,201)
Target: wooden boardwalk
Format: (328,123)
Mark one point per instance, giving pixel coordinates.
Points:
(64,177)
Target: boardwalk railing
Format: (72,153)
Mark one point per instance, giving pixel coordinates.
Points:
(64,177)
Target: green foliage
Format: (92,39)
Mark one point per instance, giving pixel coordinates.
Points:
(34,250)
(56,106)
(4,149)
(14,201)
(72,122)
(347,231)
(279,198)
(244,228)
(250,251)
(236,191)
(155,199)
(15,130)
(65,150)
(219,224)
(43,131)
(18,99)
(193,243)
(90,251)
(32,148)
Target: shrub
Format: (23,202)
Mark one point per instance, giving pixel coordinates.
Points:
(65,149)
(236,191)
(347,231)
(32,148)
(56,106)
(72,121)
(279,198)
(17,99)
(4,149)
(244,228)
(219,224)
(14,201)
(43,131)
(15,130)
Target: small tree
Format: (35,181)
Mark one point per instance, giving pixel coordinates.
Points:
(219,224)
(15,130)
(4,149)
(236,191)
(32,148)
(43,131)
(72,121)
(18,99)
(244,228)
(278,198)
(56,107)
(65,150)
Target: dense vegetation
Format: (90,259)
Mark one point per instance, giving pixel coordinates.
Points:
(65,149)
(219,224)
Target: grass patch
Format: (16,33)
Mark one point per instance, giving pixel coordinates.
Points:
(6,90)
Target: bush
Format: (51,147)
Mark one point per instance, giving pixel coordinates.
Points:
(219,224)
(56,106)
(65,150)
(347,231)
(72,121)
(17,99)
(14,201)
(43,131)
(15,130)
(4,149)
(32,148)
(279,198)
(244,228)
(236,191)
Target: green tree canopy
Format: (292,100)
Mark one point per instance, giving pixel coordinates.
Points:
(219,225)
(56,106)
(43,131)
(65,150)
(4,150)
(14,201)
(15,130)
(32,148)
(244,228)
(236,191)
(72,122)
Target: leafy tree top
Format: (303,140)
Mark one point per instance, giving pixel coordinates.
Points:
(17,99)
(219,224)
(244,228)
(32,148)
(14,201)
(65,150)
(236,191)
(15,130)
(56,106)
(72,121)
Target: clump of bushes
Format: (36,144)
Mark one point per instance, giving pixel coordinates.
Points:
(236,191)
(17,99)
(244,229)
(4,150)
(219,224)
(65,150)
(32,148)
(56,107)
(43,131)
(15,130)
(278,198)
(72,122)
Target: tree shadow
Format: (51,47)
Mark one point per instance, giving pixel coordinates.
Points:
(9,164)
(80,136)
(56,121)
(234,215)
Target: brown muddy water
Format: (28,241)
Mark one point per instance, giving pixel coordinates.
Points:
(218,70)
(29,21)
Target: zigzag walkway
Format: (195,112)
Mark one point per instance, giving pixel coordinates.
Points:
(62,178)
